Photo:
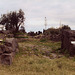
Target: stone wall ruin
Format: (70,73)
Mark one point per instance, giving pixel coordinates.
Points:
(8,47)
(68,41)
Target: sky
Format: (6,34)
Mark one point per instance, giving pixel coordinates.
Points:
(36,11)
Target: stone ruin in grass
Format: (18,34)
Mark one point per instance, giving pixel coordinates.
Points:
(52,34)
(68,41)
(8,48)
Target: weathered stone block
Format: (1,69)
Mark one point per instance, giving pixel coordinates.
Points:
(7,58)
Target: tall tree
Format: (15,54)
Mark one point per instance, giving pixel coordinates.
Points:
(13,20)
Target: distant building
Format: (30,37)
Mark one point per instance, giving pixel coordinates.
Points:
(2,27)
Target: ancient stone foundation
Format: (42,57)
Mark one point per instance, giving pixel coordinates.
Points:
(68,41)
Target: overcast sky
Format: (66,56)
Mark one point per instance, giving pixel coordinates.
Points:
(37,10)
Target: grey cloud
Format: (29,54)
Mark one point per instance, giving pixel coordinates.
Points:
(36,10)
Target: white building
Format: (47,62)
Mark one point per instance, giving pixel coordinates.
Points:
(2,27)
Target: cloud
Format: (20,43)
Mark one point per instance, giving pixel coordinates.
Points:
(36,10)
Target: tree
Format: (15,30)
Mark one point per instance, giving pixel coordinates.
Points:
(65,27)
(13,20)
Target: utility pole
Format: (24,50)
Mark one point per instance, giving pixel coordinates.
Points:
(45,23)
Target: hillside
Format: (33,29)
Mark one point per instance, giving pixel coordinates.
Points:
(39,57)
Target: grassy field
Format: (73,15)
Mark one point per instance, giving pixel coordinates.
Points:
(33,59)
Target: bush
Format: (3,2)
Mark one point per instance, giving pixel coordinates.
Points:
(52,31)
(31,33)
(66,27)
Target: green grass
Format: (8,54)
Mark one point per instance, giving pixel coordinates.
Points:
(21,37)
(31,61)
(20,33)
(43,40)
(34,65)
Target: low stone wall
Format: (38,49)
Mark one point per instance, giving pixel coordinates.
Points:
(66,37)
